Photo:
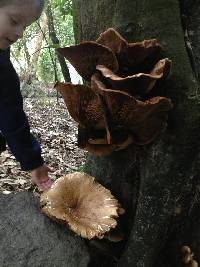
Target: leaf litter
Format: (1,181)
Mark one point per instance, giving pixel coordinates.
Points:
(57,132)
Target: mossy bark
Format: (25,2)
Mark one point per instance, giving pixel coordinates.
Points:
(158,184)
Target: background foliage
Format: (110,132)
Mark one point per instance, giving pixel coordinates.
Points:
(23,51)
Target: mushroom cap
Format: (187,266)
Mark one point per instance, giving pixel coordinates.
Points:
(85,56)
(85,108)
(139,83)
(83,105)
(144,119)
(186,250)
(89,209)
(139,52)
(107,149)
(131,55)
(112,39)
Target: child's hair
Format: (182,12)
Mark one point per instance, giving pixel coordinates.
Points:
(10,2)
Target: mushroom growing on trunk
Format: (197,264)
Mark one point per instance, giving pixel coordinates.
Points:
(116,109)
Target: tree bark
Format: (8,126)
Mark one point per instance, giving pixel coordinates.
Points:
(191,24)
(158,183)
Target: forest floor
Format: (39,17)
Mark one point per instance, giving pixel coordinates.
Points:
(56,131)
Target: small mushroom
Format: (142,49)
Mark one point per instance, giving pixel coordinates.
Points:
(187,257)
(89,209)
(114,235)
(193,263)
(85,56)
(137,84)
(186,250)
(105,150)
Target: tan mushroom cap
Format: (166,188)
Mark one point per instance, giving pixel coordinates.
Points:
(89,209)
(144,119)
(112,39)
(187,257)
(85,56)
(139,83)
(129,54)
(82,104)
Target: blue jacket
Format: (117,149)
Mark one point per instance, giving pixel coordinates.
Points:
(13,121)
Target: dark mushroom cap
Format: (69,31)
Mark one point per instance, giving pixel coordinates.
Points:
(140,83)
(113,40)
(85,56)
(107,149)
(144,119)
(131,55)
(82,104)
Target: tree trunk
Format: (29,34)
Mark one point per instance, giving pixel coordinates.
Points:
(54,39)
(191,24)
(158,183)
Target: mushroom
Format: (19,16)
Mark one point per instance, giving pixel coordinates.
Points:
(83,105)
(137,84)
(131,55)
(85,206)
(112,39)
(110,113)
(187,257)
(85,56)
(85,108)
(143,119)
(105,150)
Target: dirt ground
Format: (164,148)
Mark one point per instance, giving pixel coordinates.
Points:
(56,131)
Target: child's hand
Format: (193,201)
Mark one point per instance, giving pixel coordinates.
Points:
(41,178)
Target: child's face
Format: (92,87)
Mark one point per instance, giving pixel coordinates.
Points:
(13,21)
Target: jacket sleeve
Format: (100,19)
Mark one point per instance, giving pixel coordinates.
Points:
(13,121)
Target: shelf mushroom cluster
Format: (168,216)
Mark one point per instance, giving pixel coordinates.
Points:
(115,110)
(82,204)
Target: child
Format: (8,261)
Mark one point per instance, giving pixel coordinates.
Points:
(15,16)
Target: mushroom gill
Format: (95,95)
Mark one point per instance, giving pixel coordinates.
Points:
(89,209)
(82,104)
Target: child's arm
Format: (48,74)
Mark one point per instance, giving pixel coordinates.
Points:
(15,127)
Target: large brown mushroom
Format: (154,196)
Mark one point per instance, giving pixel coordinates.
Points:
(85,108)
(137,84)
(87,55)
(83,105)
(77,200)
(144,119)
(110,112)
(130,55)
